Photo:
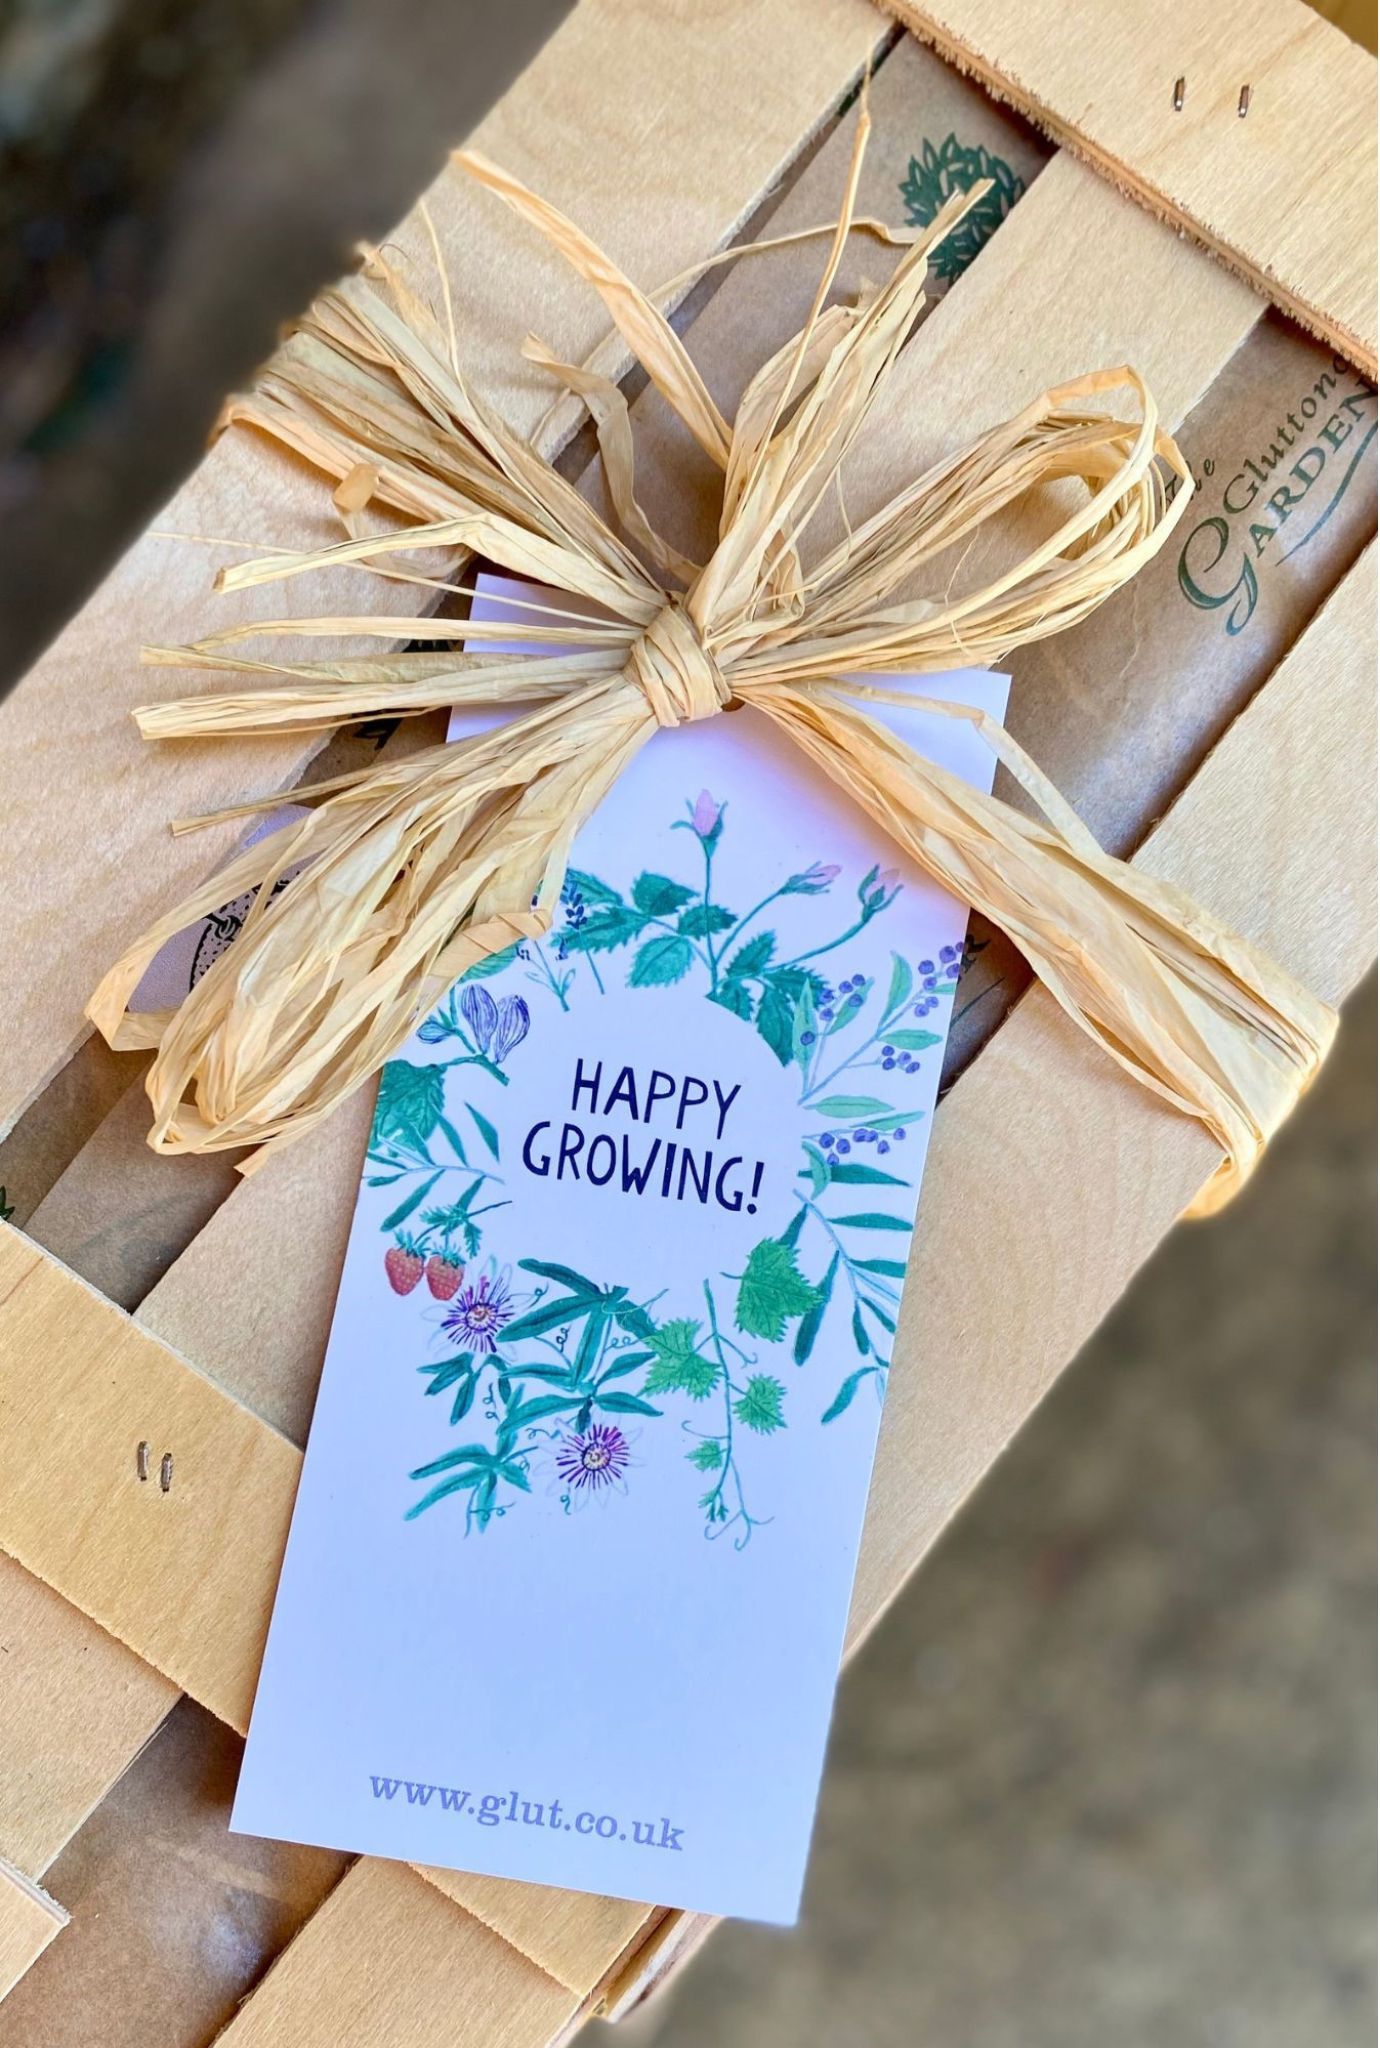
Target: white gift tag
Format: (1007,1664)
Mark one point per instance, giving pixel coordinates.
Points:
(567,1581)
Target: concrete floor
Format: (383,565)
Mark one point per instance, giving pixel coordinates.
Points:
(1106,1773)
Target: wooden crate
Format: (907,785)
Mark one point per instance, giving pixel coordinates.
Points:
(1214,725)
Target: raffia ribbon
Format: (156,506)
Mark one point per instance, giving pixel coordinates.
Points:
(412,871)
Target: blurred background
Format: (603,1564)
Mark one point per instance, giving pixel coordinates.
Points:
(1106,1774)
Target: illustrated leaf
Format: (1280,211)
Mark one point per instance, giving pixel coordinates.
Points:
(846,1392)
(492,963)
(758,1407)
(549,1315)
(735,996)
(484,1128)
(622,1366)
(635,1320)
(556,1374)
(604,931)
(754,956)
(889,1269)
(658,895)
(776,1022)
(860,1336)
(913,1041)
(661,961)
(850,1109)
(514,1474)
(707,1456)
(809,1324)
(564,1276)
(446,1373)
(679,1367)
(624,1404)
(452,1485)
(902,982)
(772,1290)
(533,1411)
(703,920)
(413,1201)
(463,1454)
(578,883)
(844,1173)
(818,1170)
(873,1219)
(410,1103)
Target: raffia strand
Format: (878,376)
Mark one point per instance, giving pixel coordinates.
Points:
(406,875)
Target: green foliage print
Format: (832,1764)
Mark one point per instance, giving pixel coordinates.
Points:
(550,1376)
(935,175)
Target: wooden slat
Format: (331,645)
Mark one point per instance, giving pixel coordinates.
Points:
(1285,195)
(1194,372)
(29,1920)
(76,1708)
(574,1937)
(948,388)
(1042,1147)
(388,1963)
(184,1577)
(1051,1181)
(614,87)
(950,385)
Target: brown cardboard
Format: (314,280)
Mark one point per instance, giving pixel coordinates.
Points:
(1121,710)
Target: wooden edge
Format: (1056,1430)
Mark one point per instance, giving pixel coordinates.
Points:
(29,1920)
(386,1961)
(673,1944)
(574,1936)
(76,1708)
(1283,195)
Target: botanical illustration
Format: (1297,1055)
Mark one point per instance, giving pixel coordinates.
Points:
(935,175)
(548,1378)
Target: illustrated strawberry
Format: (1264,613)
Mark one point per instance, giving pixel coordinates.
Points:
(444,1273)
(404,1265)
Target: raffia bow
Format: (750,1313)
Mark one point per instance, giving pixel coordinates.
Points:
(408,874)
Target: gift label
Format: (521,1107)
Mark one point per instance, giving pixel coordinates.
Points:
(566,1587)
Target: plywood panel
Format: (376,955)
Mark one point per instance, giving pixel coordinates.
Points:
(614,87)
(1285,194)
(29,1920)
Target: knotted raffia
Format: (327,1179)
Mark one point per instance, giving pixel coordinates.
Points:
(408,874)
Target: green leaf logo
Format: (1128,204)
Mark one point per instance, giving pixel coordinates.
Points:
(935,175)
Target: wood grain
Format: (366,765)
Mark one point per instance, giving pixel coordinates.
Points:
(949,1443)
(76,1708)
(574,1936)
(388,1963)
(1284,196)
(1041,1150)
(760,78)
(184,1576)
(29,1920)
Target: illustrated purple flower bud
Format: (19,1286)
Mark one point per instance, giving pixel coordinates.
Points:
(877,889)
(813,881)
(480,1012)
(514,1022)
(705,815)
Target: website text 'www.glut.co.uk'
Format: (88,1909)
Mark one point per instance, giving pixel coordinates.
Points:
(492,1809)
